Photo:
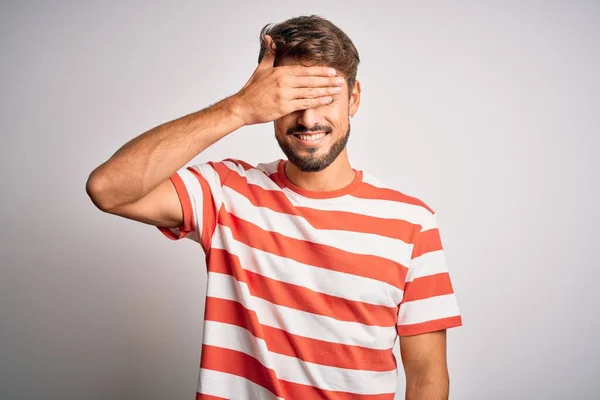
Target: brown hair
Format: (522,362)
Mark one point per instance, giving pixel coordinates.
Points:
(313,39)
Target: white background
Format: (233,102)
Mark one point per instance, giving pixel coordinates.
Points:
(486,110)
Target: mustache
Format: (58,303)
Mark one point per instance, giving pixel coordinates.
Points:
(303,129)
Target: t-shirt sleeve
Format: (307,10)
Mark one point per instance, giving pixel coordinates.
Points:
(199,188)
(428,303)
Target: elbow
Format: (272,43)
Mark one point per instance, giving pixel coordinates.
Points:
(96,189)
(428,384)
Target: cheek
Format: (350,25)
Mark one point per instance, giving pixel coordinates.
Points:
(286,120)
(280,126)
(336,110)
(338,116)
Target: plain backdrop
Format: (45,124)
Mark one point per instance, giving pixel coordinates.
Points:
(486,110)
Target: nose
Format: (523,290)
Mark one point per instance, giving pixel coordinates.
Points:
(309,118)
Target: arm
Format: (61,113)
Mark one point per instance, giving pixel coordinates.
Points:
(148,160)
(134,182)
(428,308)
(424,360)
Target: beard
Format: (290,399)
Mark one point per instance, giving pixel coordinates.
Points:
(313,163)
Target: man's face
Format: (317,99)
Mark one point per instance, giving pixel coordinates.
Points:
(312,139)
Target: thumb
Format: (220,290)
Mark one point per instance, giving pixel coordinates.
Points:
(269,56)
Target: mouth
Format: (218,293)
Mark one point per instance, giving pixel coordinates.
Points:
(310,137)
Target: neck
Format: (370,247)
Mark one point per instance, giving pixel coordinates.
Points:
(336,176)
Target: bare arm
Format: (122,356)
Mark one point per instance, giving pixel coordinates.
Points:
(424,361)
(152,157)
(134,182)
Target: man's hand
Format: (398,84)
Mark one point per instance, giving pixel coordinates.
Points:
(271,93)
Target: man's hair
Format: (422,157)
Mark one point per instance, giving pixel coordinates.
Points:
(313,40)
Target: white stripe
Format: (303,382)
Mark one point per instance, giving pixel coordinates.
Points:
(297,322)
(425,216)
(297,371)
(230,386)
(254,176)
(414,214)
(299,228)
(377,208)
(195,194)
(415,312)
(373,181)
(318,279)
(428,223)
(269,168)
(214,182)
(427,264)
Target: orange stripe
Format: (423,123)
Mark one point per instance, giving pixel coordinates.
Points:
(275,178)
(242,164)
(428,286)
(365,190)
(322,219)
(169,233)
(318,255)
(240,364)
(221,169)
(186,209)
(301,298)
(426,242)
(305,349)
(429,326)
(300,391)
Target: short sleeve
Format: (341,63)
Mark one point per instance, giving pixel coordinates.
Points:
(428,303)
(199,188)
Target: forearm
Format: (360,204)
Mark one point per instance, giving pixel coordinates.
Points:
(428,387)
(150,158)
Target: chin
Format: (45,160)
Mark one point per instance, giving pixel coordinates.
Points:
(310,163)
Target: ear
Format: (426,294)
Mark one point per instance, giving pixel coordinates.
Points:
(354,100)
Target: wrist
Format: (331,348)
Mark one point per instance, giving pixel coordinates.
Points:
(235,109)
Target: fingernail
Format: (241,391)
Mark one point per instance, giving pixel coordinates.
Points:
(331,71)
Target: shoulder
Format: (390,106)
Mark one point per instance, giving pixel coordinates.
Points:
(402,205)
(231,169)
(244,167)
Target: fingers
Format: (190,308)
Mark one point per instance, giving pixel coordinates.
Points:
(311,93)
(314,91)
(269,56)
(303,104)
(300,70)
(316,81)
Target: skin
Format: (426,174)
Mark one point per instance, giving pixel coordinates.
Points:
(134,182)
(323,166)
(425,366)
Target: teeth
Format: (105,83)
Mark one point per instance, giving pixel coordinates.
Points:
(312,137)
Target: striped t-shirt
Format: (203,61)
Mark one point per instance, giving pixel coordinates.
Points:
(307,291)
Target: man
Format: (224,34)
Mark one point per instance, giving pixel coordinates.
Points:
(314,268)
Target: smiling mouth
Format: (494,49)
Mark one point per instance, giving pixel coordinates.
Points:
(310,136)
